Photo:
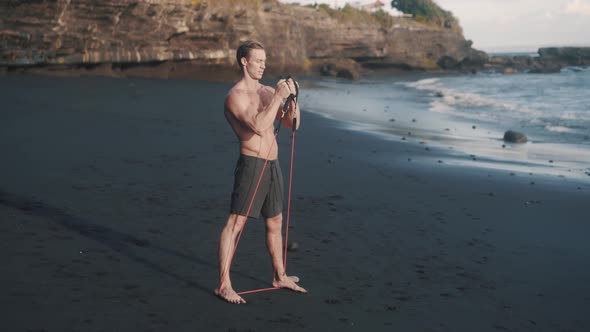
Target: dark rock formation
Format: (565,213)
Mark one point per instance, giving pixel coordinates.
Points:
(178,38)
(515,137)
(550,60)
(567,56)
(343,67)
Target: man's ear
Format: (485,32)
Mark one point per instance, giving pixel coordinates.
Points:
(244,61)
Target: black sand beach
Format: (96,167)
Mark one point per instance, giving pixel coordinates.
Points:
(113,193)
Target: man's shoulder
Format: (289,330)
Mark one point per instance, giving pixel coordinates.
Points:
(236,93)
(236,100)
(236,89)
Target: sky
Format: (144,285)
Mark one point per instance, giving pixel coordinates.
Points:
(514,25)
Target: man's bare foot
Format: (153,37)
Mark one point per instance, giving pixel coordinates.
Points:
(294,278)
(229,295)
(288,282)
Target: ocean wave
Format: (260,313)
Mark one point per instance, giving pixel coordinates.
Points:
(575,69)
(559,129)
(439,106)
(569,116)
(575,116)
(456,99)
(424,83)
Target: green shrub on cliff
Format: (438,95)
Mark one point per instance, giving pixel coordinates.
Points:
(383,18)
(253,3)
(353,15)
(427,11)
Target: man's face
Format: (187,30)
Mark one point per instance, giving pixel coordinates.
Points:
(255,63)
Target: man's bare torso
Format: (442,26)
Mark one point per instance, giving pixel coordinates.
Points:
(251,143)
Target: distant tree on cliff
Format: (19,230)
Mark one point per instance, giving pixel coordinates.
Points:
(427,11)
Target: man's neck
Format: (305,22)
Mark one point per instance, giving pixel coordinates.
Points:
(250,84)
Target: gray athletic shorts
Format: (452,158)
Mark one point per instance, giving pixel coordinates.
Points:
(269,198)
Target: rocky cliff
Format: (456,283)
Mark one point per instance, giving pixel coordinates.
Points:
(549,60)
(176,37)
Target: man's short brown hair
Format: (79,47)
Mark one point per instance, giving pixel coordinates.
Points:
(244,50)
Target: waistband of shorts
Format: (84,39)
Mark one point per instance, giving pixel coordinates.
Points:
(252,158)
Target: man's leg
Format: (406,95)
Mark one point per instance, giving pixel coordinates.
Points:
(274,243)
(227,243)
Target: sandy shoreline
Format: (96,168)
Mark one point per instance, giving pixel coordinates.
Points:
(113,193)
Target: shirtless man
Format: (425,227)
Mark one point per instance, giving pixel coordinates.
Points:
(251,109)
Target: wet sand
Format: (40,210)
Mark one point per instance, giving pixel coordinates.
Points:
(113,193)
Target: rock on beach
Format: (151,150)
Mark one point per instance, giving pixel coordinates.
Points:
(515,137)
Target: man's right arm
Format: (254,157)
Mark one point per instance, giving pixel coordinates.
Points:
(238,103)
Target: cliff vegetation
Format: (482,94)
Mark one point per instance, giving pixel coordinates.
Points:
(427,11)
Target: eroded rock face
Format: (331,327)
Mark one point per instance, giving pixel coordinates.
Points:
(206,33)
(119,31)
(406,44)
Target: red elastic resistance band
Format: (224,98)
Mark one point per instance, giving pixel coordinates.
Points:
(289,198)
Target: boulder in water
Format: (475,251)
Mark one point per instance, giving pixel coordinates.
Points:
(339,67)
(515,137)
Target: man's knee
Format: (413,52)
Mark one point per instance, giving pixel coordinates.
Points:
(274,223)
(236,222)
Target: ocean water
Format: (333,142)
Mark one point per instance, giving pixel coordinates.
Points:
(466,116)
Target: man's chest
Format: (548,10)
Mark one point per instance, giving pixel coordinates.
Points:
(259,101)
